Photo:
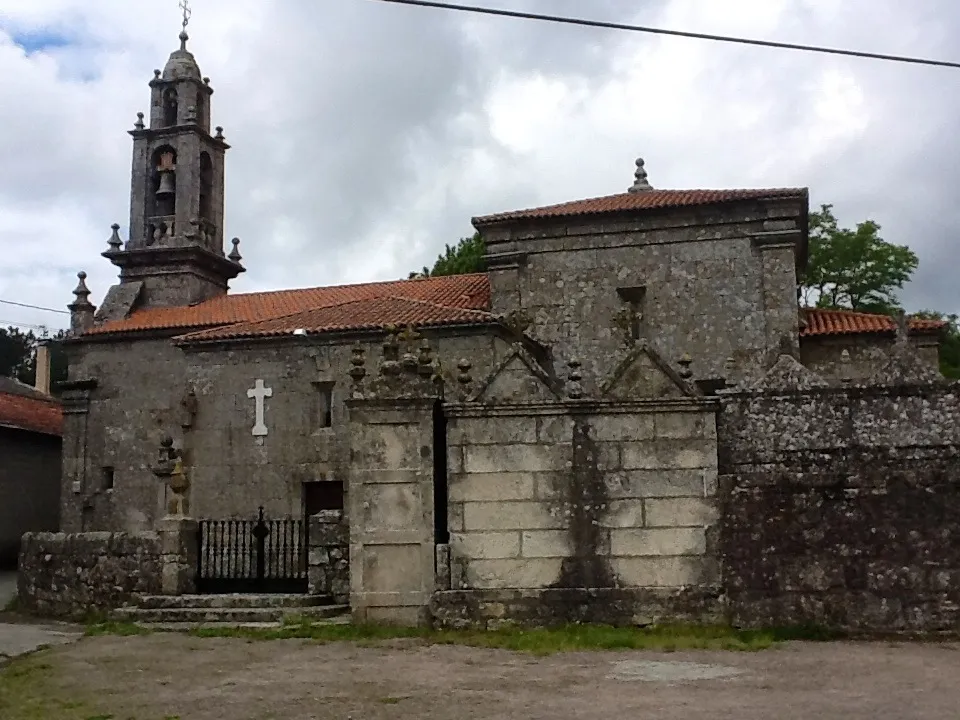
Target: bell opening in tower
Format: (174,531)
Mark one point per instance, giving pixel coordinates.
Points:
(206,185)
(163,186)
(170,106)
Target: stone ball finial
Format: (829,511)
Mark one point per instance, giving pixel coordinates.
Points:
(139,125)
(219,135)
(640,183)
(235,253)
(574,380)
(156,74)
(82,275)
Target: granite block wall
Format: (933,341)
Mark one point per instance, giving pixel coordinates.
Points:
(575,497)
(72,576)
(841,508)
(713,282)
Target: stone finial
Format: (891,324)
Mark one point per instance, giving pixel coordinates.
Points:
(730,372)
(81,310)
(138,125)
(235,253)
(156,73)
(640,183)
(358,369)
(206,81)
(425,360)
(574,380)
(115,242)
(685,362)
(390,364)
(464,378)
(219,135)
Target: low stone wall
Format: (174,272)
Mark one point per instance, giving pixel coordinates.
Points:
(328,555)
(72,576)
(622,607)
(844,512)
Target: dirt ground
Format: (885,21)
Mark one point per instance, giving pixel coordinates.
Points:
(163,676)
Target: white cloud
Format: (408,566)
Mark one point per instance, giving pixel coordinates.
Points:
(366,135)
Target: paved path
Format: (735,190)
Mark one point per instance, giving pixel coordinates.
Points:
(17,639)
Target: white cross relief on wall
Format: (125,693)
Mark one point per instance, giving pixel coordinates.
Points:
(259,393)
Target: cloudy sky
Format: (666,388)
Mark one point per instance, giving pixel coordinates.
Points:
(366,135)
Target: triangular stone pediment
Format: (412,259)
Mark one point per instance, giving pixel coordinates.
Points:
(518,378)
(787,373)
(645,375)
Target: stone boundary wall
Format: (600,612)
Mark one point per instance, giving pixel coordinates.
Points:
(72,576)
(328,555)
(580,512)
(840,507)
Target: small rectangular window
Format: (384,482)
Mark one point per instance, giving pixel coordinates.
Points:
(324,404)
(323,495)
(108,478)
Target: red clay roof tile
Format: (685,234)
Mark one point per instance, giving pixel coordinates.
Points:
(646,200)
(368,314)
(463,292)
(27,413)
(847,322)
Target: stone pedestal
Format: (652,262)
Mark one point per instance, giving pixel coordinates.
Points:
(179,555)
(328,562)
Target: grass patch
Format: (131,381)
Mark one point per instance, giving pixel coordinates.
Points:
(537,641)
(27,692)
(112,627)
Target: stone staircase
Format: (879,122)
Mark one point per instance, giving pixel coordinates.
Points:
(237,610)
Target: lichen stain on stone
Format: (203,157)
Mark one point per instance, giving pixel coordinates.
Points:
(585,503)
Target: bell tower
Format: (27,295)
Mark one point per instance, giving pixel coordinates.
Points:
(174,255)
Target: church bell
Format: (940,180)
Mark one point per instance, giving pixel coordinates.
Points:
(166,184)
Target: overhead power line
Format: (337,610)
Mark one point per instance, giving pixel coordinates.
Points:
(34,307)
(675,33)
(30,326)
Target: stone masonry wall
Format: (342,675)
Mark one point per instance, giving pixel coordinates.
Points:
(72,576)
(867,355)
(140,394)
(580,511)
(716,282)
(139,385)
(841,507)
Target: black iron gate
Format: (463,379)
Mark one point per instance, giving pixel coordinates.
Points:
(252,556)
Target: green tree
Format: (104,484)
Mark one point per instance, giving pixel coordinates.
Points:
(466,257)
(949,343)
(18,355)
(854,269)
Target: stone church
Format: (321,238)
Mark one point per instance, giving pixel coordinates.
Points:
(552,424)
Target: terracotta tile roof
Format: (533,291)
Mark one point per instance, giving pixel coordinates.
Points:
(369,314)
(30,413)
(455,292)
(846,322)
(647,200)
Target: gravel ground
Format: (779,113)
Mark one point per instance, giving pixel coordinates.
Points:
(176,676)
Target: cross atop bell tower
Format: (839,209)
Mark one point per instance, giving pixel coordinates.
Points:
(175,250)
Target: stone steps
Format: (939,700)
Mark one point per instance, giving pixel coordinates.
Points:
(224,616)
(184,626)
(234,600)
